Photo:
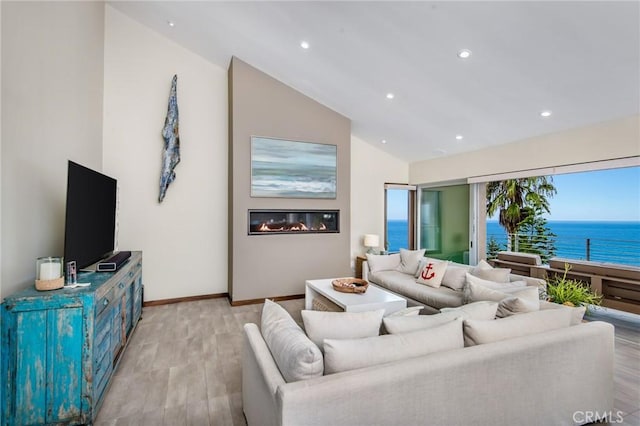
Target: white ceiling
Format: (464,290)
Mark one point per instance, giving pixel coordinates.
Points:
(579,59)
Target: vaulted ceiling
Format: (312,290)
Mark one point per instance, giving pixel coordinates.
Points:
(578,59)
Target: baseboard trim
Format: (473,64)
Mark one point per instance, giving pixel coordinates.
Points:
(184,299)
(275,299)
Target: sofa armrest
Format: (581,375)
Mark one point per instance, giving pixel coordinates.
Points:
(538,379)
(365,270)
(260,379)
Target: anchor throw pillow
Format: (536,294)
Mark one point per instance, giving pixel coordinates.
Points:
(432,273)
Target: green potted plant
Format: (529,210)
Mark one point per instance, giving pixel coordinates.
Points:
(571,292)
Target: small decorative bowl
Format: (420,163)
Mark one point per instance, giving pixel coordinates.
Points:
(350,285)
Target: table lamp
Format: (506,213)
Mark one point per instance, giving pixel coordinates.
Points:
(371,241)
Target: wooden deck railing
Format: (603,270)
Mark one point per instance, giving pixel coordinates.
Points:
(619,284)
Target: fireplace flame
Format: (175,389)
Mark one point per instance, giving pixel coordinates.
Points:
(298,226)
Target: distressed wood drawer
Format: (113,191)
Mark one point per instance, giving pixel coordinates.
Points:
(61,347)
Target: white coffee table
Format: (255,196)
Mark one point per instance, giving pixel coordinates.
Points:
(373,299)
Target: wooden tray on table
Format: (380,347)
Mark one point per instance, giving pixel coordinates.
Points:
(350,285)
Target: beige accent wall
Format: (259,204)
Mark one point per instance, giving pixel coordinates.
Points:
(604,141)
(277,265)
(183,239)
(371,168)
(52,73)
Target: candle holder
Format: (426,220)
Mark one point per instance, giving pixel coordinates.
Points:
(49,274)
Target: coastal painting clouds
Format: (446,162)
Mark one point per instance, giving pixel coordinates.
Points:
(290,169)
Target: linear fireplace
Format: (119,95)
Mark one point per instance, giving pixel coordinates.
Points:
(269,222)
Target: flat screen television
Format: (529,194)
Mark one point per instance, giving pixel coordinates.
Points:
(90,220)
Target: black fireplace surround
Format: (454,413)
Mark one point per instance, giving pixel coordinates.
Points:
(270,222)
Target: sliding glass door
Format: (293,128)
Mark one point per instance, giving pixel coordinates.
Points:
(444,222)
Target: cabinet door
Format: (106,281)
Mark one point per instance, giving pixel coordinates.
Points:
(137,298)
(48,366)
(116,328)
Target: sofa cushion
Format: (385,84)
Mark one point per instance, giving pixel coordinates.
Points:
(410,260)
(481,310)
(432,273)
(406,285)
(343,355)
(477,332)
(296,356)
(411,311)
(577,312)
(455,277)
(379,262)
(399,325)
(341,325)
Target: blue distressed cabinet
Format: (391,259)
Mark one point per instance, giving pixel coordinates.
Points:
(60,347)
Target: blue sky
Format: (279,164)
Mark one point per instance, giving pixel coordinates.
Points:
(611,195)
(397,204)
(604,195)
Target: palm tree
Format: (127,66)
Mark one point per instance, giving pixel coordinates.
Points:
(514,199)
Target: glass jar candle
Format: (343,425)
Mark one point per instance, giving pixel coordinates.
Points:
(49,273)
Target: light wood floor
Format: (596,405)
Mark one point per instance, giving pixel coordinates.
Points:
(182,366)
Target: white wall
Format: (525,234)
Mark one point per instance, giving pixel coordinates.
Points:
(604,141)
(184,239)
(371,168)
(52,70)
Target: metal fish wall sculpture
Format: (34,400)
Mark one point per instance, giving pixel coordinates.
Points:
(171,151)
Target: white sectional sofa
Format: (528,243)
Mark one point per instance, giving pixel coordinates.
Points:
(395,274)
(547,378)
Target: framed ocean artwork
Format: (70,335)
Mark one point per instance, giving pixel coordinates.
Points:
(292,169)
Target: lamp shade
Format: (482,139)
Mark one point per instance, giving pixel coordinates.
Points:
(371,240)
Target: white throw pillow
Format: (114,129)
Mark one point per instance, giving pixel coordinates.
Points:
(516,305)
(383,262)
(577,312)
(481,310)
(478,292)
(483,264)
(469,278)
(341,325)
(409,260)
(500,275)
(296,356)
(343,355)
(503,287)
(477,332)
(400,325)
(455,277)
(529,296)
(432,273)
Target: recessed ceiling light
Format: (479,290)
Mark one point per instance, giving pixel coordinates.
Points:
(545,113)
(171,24)
(459,137)
(304,44)
(390,96)
(439,151)
(383,141)
(464,54)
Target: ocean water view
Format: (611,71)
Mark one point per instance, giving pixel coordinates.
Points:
(615,242)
